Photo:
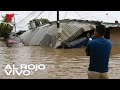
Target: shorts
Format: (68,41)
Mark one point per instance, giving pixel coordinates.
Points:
(97,75)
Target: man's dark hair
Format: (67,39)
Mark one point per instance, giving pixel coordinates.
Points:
(100,29)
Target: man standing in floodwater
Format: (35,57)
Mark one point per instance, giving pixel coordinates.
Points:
(99,50)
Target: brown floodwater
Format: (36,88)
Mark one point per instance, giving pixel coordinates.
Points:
(60,63)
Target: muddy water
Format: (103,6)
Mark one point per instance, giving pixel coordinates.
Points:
(60,63)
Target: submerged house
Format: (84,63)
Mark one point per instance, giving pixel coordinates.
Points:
(70,34)
(114,29)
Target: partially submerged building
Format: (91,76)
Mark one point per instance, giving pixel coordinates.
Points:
(70,34)
(114,29)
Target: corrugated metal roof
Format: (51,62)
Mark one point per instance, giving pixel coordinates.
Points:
(111,24)
(72,31)
(46,35)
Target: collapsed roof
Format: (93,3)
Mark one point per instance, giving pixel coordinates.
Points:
(50,35)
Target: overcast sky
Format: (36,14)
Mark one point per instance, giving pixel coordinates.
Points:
(23,17)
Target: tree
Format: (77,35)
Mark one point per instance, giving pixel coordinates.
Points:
(37,22)
(40,21)
(4,19)
(5,28)
(44,21)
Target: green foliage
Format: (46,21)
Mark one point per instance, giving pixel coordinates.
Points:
(5,30)
(44,21)
(37,21)
(4,19)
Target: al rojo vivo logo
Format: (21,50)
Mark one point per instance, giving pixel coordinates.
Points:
(23,69)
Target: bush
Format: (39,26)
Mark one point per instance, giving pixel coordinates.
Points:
(5,30)
(37,21)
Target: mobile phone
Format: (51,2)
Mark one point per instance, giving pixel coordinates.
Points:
(90,39)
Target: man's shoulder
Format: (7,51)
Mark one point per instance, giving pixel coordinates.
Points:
(108,41)
(91,42)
